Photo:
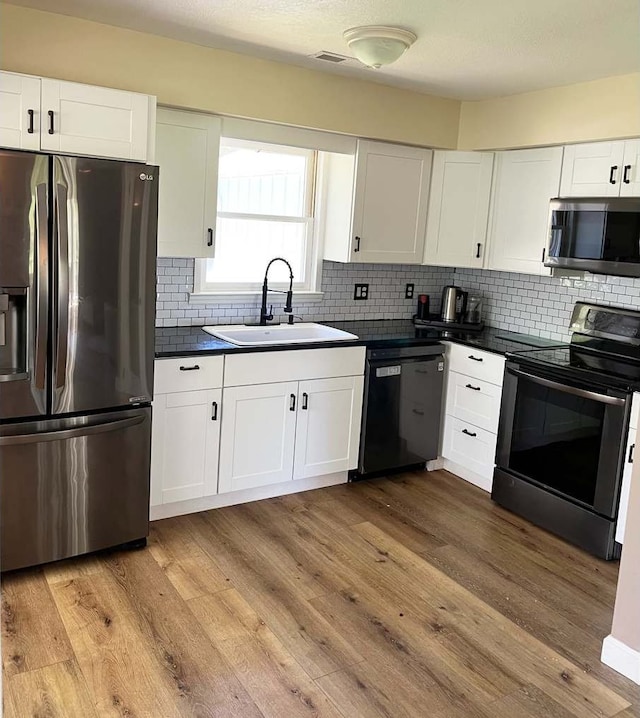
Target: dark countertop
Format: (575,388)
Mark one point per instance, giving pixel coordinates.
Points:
(193,341)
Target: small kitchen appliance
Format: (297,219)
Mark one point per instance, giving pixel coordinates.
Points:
(474,310)
(453,307)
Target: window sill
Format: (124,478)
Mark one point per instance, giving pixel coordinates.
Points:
(249,297)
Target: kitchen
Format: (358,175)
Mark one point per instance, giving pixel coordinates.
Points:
(263,456)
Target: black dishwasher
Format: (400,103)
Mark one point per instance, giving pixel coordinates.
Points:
(402,409)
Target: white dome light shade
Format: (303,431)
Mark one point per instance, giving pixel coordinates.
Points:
(377,45)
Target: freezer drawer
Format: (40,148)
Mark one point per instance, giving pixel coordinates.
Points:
(71,486)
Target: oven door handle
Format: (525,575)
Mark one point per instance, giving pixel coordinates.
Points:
(584,393)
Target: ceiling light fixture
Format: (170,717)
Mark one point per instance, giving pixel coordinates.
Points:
(377,45)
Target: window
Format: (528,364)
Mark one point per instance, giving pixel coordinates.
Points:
(265,210)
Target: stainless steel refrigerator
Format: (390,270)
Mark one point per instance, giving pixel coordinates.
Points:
(77,306)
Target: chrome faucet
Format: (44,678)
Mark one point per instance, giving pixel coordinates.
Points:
(288,308)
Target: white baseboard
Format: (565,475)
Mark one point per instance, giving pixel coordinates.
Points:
(621,658)
(436,464)
(482,482)
(179,508)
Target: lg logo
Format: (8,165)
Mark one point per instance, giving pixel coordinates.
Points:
(144,177)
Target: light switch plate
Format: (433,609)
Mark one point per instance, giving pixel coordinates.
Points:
(408,291)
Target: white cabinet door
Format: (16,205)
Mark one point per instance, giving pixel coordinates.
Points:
(524,183)
(390,203)
(185,443)
(630,186)
(19,111)
(328,426)
(187,147)
(98,121)
(458,209)
(258,435)
(592,170)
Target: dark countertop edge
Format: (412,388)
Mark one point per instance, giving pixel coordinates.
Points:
(226,348)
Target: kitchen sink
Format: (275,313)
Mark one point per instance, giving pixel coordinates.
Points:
(277,334)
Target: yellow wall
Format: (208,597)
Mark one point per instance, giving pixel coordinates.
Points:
(603,109)
(192,76)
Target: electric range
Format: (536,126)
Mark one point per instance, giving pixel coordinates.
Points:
(563,427)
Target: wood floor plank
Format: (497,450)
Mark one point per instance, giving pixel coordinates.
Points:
(186,565)
(520,652)
(269,673)
(313,642)
(55,691)
(140,647)
(33,635)
(72,568)
(406,597)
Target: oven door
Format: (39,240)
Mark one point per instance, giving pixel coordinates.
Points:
(564,436)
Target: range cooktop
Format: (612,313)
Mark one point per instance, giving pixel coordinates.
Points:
(584,364)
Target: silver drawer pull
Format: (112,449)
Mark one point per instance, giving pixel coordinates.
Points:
(469,433)
(475,388)
(195,367)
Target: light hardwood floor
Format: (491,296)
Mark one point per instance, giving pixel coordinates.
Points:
(414,596)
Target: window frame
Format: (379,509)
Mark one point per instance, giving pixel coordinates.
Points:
(204,291)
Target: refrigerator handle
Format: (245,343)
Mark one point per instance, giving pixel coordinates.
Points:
(42,286)
(62,303)
(60,434)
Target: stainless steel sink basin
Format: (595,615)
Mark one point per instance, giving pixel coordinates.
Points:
(278,334)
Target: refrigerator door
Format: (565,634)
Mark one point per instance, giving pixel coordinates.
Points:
(70,486)
(104,227)
(24,276)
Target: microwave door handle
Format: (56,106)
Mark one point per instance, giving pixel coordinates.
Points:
(62,308)
(583,393)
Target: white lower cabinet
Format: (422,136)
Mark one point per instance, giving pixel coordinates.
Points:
(226,429)
(328,426)
(628,469)
(472,412)
(292,430)
(186,437)
(258,435)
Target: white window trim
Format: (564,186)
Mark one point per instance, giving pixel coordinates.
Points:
(201,294)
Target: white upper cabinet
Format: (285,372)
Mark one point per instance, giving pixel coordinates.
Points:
(88,120)
(376,209)
(630,185)
(187,148)
(458,209)
(43,114)
(592,170)
(19,111)
(524,182)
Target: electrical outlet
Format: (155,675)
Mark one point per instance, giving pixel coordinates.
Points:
(361,291)
(408,291)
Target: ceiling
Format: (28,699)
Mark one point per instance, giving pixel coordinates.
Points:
(466,49)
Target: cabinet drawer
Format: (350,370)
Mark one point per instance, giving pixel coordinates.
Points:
(474,401)
(476,363)
(469,446)
(298,365)
(188,374)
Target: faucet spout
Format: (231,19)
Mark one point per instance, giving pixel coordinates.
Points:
(288,307)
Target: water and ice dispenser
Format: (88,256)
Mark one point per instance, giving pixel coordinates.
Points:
(13,333)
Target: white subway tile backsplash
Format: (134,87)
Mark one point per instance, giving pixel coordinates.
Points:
(535,305)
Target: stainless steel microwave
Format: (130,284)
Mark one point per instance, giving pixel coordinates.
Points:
(601,236)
